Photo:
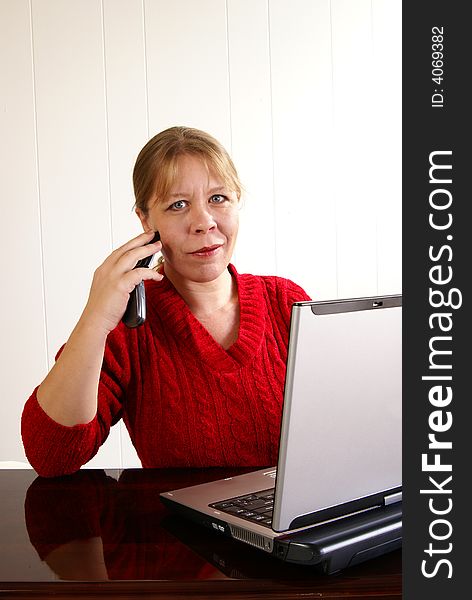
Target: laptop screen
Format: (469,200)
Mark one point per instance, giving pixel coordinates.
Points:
(340,445)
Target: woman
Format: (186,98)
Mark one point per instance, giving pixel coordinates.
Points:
(201,382)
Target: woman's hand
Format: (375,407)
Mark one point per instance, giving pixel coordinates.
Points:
(69,392)
(116,278)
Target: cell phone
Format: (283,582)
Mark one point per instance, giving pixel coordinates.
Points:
(135,313)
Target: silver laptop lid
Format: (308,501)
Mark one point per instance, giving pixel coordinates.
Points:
(342,409)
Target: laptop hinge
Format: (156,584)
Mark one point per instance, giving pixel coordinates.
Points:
(392,498)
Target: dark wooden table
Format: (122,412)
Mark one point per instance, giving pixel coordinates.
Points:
(97,533)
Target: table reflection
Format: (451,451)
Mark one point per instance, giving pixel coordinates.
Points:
(92,526)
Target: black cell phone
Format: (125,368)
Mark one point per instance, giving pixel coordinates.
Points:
(135,313)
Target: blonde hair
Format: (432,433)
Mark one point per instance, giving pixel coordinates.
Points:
(156,166)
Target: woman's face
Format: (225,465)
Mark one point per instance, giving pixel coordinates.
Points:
(198,223)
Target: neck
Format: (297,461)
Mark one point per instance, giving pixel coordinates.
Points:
(205,298)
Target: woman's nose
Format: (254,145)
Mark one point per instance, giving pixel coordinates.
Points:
(202,221)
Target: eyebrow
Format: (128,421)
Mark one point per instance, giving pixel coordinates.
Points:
(220,188)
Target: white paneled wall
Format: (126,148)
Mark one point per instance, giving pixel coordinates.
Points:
(306,95)
(300,36)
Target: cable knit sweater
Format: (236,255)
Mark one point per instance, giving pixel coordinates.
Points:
(185,400)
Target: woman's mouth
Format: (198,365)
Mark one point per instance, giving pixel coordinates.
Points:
(207,250)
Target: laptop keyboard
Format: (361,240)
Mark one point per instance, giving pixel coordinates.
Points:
(257,507)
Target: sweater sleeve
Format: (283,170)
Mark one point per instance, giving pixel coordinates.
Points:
(54,449)
(294,293)
(289,292)
(281,295)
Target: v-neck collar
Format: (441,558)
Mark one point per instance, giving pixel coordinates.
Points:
(180,320)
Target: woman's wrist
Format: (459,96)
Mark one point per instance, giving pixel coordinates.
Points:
(93,324)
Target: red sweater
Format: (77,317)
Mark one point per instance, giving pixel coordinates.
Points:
(186,401)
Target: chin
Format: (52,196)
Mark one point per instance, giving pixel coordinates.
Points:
(200,273)
(208,272)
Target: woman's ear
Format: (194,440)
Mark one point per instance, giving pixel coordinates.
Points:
(144,219)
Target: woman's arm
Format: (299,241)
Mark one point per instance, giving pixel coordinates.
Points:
(68,394)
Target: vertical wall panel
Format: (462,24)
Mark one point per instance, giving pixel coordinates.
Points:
(126,97)
(251,132)
(73,162)
(353,159)
(23,340)
(73,172)
(187,66)
(387,138)
(300,46)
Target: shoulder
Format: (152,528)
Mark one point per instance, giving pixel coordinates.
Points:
(274,288)
(286,287)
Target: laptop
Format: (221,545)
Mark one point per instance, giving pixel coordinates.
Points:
(328,548)
(340,440)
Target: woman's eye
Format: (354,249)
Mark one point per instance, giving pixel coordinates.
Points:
(178,205)
(218,198)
